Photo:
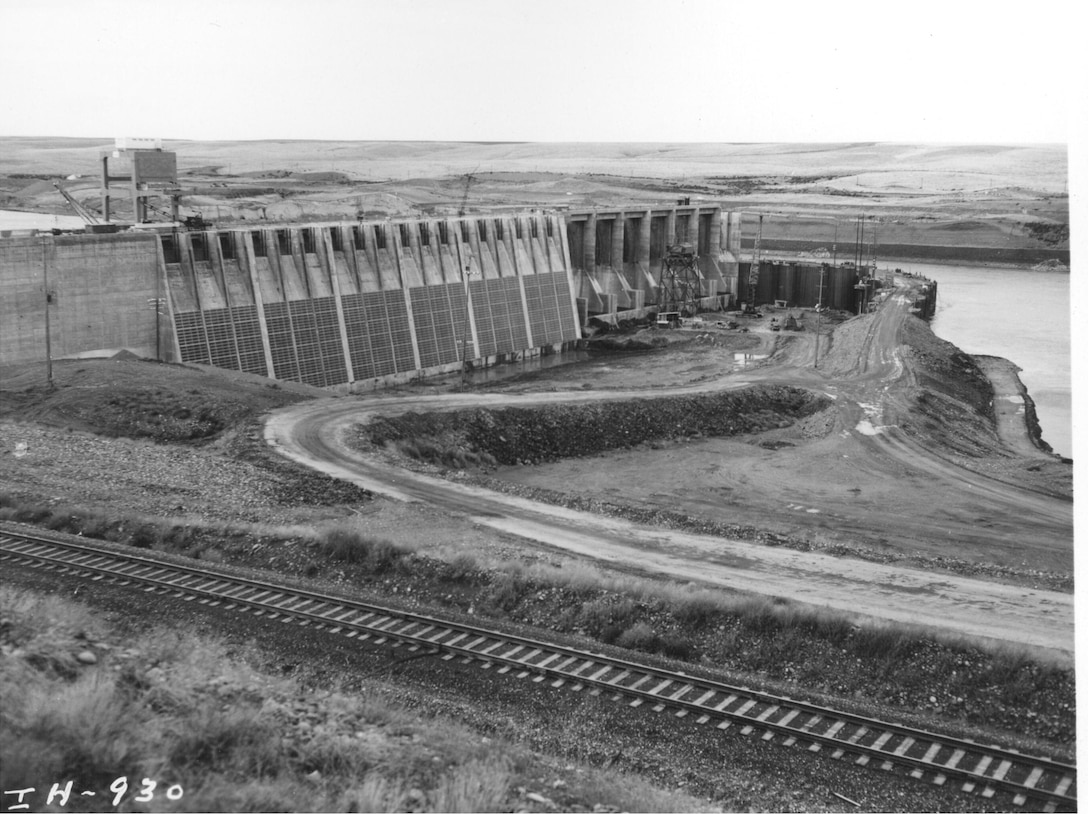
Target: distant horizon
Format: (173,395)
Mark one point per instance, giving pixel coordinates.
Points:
(820,142)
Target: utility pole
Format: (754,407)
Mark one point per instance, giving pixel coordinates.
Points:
(464,329)
(158,303)
(859,244)
(48,300)
(859,256)
(819,312)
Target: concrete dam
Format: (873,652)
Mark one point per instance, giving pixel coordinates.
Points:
(367,304)
(335,305)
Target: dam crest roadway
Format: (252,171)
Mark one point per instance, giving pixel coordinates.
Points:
(871,381)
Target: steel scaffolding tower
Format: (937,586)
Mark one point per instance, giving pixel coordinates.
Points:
(678,285)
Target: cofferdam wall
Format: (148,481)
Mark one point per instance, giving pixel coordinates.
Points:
(337,305)
(800,285)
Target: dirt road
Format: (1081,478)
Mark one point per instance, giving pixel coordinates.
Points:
(866,375)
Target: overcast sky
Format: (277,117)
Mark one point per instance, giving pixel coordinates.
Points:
(548,70)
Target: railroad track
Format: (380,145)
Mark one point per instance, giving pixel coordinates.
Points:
(1042,783)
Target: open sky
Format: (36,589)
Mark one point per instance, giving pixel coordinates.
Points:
(559,70)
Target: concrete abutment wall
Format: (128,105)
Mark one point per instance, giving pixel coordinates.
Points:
(102,292)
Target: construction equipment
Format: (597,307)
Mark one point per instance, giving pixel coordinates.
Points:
(753,272)
(669,319)
(196,223)
(464,198)
(679,281)
(193,223)
(80,209)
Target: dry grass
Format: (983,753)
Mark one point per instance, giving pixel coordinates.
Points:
(188,710)
(348,545)
(477,785)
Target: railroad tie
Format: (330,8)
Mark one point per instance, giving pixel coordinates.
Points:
(723,704)
(786,719)
(747,705)
(982,765)
(767,713)
(585,663)
(902,748)
(599,673)
(551,658)
(1064,784)
(1002,770)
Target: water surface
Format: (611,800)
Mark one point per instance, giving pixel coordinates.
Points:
(1021,315)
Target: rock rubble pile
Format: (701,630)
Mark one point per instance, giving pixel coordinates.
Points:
(518,435)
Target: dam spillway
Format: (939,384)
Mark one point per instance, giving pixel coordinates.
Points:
(338,304)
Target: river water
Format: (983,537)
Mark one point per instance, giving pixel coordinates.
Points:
(1018,314)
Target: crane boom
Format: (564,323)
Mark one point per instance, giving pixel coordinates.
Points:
(464,198)
(80,209)
(753,271)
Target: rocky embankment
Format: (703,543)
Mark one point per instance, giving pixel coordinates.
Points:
(1014,408)
(518,435)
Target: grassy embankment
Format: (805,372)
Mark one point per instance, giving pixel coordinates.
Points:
(86,703)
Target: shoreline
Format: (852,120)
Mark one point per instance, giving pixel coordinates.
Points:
(771,255)
(924,252)
(1015,417)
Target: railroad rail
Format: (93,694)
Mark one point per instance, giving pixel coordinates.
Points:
(1044,783)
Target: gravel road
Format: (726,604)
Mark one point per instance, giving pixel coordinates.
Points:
(868,382)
